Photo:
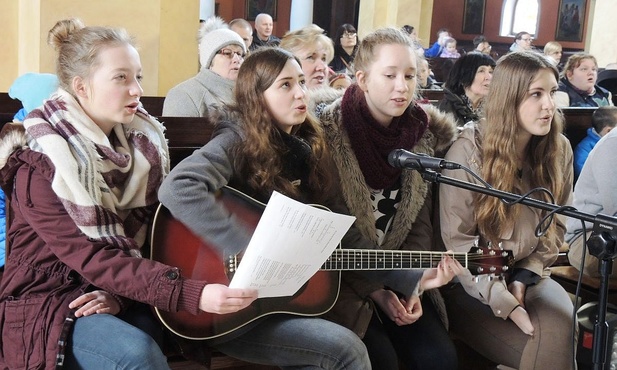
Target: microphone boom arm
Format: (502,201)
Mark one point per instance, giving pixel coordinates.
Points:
(601,245)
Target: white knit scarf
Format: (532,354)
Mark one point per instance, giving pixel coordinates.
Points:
(106,184)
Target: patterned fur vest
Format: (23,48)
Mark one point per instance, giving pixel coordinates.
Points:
(416,204)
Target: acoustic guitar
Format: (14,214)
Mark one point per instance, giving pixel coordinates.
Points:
(175,245)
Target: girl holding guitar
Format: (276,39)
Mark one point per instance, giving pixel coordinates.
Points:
(269,141)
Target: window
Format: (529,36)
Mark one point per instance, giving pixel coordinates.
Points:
(519,15)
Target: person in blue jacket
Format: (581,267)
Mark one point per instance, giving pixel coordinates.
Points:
(603,120)
(434,51)
(31,89)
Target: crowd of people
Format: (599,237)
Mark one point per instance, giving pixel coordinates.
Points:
(315,119)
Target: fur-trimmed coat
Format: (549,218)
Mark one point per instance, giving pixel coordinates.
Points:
(411,227)
(52,263)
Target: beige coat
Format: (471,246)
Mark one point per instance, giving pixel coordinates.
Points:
(459,228)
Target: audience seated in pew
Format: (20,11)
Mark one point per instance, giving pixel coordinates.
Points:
(578,87)
(31,89)
(467,86)
(314,50)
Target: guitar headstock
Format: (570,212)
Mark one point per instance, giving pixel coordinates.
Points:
(483,261)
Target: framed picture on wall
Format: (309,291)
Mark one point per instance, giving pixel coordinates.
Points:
(571,20)
(473,16)
(254,7)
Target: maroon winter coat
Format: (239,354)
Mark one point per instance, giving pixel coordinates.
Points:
(52,262)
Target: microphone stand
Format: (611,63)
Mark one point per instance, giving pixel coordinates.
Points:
(601,245)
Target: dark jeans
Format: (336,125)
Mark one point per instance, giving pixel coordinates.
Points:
(423,345)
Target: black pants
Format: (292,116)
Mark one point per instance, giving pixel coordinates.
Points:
(423,345)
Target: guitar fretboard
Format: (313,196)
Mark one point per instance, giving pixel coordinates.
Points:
(360,259)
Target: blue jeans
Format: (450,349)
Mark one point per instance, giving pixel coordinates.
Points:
(295,342)
(108,342)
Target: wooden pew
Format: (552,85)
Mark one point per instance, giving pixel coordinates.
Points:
(184,135)
(153,104)
(440,67)
(577,121)
(8,107)
(433,96)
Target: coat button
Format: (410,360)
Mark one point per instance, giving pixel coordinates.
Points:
(172,275)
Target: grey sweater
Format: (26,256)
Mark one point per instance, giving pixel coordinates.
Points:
(595,188)
(192,97)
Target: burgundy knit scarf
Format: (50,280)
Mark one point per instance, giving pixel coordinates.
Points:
(372,142)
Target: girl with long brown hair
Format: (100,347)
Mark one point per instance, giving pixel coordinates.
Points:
(269,141)
(266,142)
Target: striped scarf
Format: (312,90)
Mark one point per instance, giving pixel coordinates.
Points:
(107,185)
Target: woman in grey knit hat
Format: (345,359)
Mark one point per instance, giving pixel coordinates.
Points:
(221,53)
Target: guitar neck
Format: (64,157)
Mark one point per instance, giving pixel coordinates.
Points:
(361,259)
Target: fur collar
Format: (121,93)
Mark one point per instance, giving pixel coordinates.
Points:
(12,140)
(441,133)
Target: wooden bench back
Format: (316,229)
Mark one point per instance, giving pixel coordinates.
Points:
(441,67)
(185,135)
(8,104)
(433,96)
(153,104)
(577,121)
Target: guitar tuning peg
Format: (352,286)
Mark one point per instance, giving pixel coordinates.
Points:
(476,279)
(492,269)
(480,270)
(504,268)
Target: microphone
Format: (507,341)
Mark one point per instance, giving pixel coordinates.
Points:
(401,158)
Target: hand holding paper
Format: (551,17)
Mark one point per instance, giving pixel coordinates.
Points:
(289,245)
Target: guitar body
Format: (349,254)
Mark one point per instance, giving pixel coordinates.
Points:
(175,245)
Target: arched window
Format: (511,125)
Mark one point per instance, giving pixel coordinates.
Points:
(519,15)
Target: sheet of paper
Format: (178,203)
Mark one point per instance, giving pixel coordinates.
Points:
(291,242)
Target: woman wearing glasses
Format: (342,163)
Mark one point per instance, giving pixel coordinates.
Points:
(522,41)
(221,53)
(345,47)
